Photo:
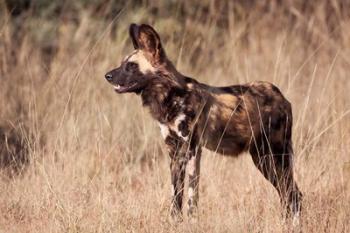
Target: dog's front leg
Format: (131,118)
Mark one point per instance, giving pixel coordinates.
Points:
(178,170)
(193,183)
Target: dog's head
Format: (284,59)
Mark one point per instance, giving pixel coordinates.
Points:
(137,68)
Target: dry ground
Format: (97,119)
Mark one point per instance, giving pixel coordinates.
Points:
(97,161)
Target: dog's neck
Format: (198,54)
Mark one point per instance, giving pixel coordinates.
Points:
(164,96)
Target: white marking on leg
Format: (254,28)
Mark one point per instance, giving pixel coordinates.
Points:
(296,219)
(190,193)
(192,188)
(192,202)
(192,166)
(172,190)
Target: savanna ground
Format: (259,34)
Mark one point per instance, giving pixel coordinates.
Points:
(77,157)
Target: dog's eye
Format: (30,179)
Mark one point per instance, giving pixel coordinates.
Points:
(130,66)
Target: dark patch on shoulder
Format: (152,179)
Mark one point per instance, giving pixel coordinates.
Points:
(172,102)
(190,113)
(176,92)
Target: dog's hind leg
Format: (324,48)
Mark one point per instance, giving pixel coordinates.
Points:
(277,167)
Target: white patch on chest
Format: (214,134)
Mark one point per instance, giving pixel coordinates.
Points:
(165,129)
(144,65)
(175,127)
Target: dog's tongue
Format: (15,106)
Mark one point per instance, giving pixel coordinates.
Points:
(120,89)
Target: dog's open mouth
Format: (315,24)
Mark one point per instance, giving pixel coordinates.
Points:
(121,89)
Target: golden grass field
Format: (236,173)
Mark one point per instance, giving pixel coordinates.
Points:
(97,162)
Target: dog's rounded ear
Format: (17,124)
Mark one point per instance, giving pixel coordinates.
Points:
(134,33)
(144,37)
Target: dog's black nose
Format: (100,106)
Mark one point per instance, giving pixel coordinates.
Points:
(109,77)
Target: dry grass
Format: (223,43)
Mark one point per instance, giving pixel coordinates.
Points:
(97,162)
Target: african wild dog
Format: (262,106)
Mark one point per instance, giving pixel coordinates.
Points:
(253,117)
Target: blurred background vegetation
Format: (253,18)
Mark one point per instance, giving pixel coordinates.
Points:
(313,20)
